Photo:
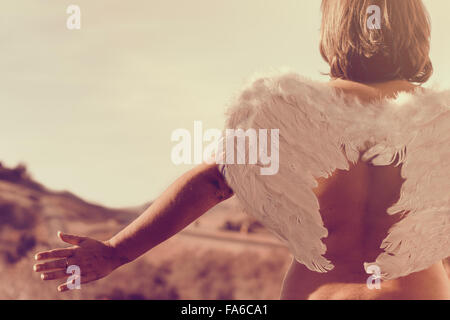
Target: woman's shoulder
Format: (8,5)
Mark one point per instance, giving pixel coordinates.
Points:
(285,82)
(285,93)
(280,81)
(277,91)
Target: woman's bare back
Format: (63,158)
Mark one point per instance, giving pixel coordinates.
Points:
(353,206)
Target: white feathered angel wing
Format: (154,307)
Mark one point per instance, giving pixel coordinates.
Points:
(320,132)
(422,237)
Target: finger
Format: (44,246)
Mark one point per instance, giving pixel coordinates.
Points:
(54,275)
(70,238)
(54,254)
(51,265)
(63,287)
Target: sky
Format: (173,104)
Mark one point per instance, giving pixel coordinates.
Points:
(92,110)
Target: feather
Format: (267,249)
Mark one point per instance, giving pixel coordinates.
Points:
(320,132)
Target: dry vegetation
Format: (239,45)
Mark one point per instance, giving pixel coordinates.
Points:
(185,267)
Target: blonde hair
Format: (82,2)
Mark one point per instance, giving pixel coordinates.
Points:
(399,49)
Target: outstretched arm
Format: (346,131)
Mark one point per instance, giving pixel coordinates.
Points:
(188,198)
(184,201)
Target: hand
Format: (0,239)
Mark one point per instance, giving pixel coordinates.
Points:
(96,259)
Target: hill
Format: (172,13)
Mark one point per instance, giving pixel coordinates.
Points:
(218,260)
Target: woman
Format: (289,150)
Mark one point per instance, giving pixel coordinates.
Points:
(337,177)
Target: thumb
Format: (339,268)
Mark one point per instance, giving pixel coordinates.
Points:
(70,238)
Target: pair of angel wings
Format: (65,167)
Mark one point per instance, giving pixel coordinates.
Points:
(321,131)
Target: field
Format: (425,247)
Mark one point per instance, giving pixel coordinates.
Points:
(223,255)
